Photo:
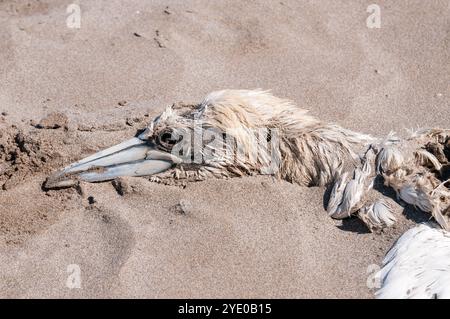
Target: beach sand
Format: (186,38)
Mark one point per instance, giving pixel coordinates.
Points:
(66,93)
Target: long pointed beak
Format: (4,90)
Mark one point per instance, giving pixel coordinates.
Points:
(134,157)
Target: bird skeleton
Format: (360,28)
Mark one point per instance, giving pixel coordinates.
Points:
(234,133)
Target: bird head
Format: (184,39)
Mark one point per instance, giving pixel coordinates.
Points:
(231,132)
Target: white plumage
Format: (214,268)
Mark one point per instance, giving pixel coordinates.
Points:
(378,215)
(418,265)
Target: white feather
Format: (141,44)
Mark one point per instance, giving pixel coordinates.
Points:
(354,191)
(377,216)
(416,197)
(418,265)
(389,159)
(336,194)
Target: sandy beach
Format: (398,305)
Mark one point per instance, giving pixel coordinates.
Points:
(66,93)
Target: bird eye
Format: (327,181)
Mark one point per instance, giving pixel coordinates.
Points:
(167,139)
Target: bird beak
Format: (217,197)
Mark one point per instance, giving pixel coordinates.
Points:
(134,157)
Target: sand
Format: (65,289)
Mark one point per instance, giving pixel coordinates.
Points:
(66,93)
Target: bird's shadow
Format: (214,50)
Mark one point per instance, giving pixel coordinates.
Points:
(356,225)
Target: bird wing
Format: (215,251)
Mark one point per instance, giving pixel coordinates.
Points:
(418,265)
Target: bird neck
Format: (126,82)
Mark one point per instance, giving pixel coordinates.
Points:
(314,155)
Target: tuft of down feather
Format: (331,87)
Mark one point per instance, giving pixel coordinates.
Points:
(389,159)
(377,216)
